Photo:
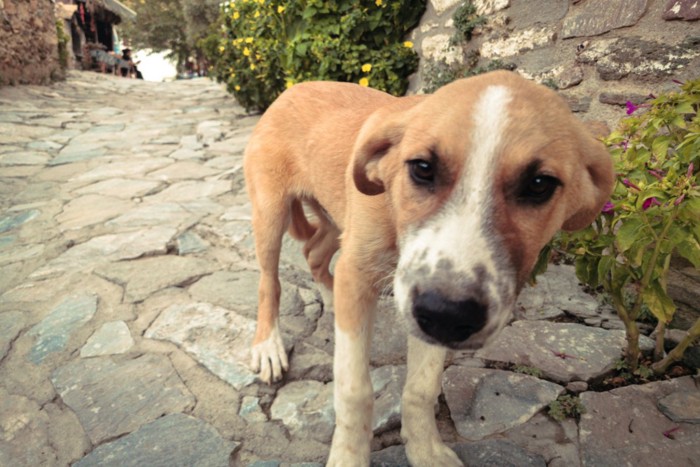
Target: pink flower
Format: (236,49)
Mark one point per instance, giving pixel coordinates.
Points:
(679,200)
(649,202)
(608,208)
(628,184)
(656,173)
(630,107)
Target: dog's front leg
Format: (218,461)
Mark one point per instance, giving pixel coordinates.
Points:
(355,301)
(424,447)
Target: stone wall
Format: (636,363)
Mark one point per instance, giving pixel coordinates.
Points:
(29,44)
(598,53)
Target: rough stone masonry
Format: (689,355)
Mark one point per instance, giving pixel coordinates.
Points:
(128,298)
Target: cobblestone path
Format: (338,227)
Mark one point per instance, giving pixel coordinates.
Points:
(128,298)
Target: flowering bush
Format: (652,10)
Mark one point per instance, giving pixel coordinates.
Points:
(654,213)
(266,46)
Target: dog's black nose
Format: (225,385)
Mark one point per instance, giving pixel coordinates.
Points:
(447,321)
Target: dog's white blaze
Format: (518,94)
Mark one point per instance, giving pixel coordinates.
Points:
(457,232)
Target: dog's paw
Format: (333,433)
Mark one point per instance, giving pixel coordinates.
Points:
(431,453)
(347,458)
(326,297)
(269,358)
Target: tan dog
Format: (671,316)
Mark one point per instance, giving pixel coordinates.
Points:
(453,195)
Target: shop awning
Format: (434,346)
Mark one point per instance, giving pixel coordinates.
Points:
(119,9)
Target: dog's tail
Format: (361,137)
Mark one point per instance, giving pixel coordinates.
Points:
(300,228)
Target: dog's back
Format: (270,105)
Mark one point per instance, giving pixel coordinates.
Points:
(312,124)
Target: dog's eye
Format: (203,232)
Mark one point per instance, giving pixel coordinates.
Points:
(421,171)
(539,189)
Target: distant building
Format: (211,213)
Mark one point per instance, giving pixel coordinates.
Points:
(92,25)
(29,40)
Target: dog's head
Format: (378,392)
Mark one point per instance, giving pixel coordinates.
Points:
(479,176)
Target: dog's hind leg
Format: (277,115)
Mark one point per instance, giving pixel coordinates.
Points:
(424,447)
(270,220)
(322,241)
(319,251)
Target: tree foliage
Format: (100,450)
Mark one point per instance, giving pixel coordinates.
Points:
(177,26)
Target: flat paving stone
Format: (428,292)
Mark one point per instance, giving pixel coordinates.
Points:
(191,190)
(120,188)
(12,221)
(682,406)
(105,248)
(612,434)
(190,242)
(562,351)
(131,167)
(142,277)
(53,332)
(183,170)
(148,387)
(218,338)
(155,214)
(483,402)
(24,158)
(91,209)
(22,419)
(176,440)
(11,323)
(556,293)
(489,453)
(112,338)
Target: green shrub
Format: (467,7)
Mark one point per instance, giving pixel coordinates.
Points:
(439,73)
(653,214)
(62,44)
(266,46)
(466,20)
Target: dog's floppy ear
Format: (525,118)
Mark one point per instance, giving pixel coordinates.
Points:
(595,183)
(382,132)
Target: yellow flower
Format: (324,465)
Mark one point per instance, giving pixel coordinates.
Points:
(222,49)
(367,67)
(246,52)
(289,83)
(236,15)
(237,88)
(257,14)
(364,82)
(248,40)
(408,44)
(280,8)
(252,66)
(378,2)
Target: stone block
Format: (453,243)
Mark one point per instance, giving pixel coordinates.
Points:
(148,387)
(595,17)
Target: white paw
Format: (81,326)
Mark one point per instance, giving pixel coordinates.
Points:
(269,358)
(431,453)
(326,296)
(340,457)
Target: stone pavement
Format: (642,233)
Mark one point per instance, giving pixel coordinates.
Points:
(128,298)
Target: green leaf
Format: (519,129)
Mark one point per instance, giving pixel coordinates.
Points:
(690,250)
(658,301)
(629,232)
(684,108)
(659,147)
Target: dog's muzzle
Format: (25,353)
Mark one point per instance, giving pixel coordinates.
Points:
(448,322)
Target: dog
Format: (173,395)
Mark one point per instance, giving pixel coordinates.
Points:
(452,195)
